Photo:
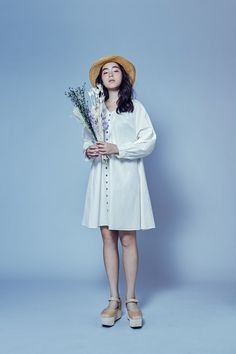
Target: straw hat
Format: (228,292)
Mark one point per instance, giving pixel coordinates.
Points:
(95,67)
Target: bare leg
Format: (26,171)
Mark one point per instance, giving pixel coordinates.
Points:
(111,261)
(130,263)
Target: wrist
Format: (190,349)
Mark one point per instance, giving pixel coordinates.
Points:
(116,150)
(87,154)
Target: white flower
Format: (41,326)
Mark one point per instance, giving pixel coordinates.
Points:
(77,113)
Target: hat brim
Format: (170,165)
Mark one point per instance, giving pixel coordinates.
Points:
(127,65)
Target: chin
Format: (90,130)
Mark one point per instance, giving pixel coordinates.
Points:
(113,86)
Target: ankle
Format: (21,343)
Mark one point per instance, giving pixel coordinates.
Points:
(132,296)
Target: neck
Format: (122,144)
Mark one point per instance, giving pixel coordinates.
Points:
(113,95)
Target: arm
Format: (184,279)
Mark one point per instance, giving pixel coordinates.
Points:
(146,138)
(87,141)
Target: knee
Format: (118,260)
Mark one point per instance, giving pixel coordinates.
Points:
(109,239)
(127,239)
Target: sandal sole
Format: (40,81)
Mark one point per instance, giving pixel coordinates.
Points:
(135,323)
(110,321)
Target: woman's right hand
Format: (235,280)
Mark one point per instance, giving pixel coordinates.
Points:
(92,151)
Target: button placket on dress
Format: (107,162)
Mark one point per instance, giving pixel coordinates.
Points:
(107,164)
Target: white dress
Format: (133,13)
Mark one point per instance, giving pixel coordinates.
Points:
(117,193)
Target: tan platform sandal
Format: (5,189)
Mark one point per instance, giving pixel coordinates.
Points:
(109,315)
(135,317)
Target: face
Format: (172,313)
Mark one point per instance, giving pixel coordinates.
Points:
(111,75)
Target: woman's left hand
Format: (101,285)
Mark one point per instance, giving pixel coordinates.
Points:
(107,148)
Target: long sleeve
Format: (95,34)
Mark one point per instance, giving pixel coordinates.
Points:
(87,141)
(146,138)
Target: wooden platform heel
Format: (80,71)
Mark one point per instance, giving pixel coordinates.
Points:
(109,315)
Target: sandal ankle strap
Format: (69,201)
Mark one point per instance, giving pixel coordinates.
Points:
(131,300)
(114,298)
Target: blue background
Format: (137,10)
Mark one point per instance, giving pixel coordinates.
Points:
(184,53)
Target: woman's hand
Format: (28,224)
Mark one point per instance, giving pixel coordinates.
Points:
(107,148)
(92,151)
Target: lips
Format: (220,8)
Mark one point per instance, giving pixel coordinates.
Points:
(111,80)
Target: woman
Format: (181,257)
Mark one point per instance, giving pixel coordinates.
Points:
(117,198)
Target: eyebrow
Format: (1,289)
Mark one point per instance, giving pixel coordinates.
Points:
(114,66)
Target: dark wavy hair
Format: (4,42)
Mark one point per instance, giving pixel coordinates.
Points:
(126,91)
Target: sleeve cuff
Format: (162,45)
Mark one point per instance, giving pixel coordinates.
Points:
(86,158)
(123,149)
(121,153)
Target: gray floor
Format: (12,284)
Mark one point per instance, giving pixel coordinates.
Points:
(62,316)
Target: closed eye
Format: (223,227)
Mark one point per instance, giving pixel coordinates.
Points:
(106,72)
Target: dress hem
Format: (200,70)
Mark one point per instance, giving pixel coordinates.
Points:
(121,229)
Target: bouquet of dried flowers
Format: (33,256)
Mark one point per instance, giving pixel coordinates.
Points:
(92,116)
